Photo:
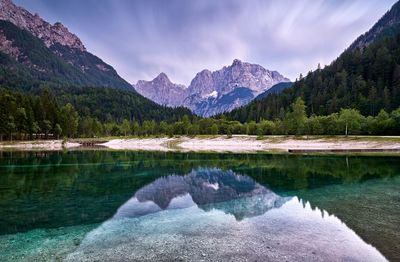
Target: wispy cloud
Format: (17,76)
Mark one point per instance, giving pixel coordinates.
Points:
(179,37)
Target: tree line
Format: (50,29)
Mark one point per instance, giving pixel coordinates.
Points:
(29,117)
(294,122)
(24,116)
(60,111)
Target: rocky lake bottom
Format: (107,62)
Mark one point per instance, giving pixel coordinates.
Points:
(153,206)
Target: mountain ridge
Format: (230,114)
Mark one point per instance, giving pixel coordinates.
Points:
(387,26)
(41,51)
(169,94)
(49,34)
(275,89)
(208,90)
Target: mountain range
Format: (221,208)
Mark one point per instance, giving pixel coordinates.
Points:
(33,52)
(212,93)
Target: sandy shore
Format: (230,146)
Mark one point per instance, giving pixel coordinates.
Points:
(146,144)
(245,144)
(236,144)
(51,145)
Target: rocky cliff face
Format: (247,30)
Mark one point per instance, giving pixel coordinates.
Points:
(211,93)
(239,74)
(49,34)
(162,91)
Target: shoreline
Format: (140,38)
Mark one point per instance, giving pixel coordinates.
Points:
(222,144)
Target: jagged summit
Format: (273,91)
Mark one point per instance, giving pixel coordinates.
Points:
(239,74)
(49,34)
(162,91)
(211,93)
(236,62)
(162,77)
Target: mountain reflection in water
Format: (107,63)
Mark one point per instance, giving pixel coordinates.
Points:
(217,215)
(206,188)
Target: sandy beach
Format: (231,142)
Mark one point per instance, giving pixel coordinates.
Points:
(245,144)
(50,145)
(235,144)
(145,144)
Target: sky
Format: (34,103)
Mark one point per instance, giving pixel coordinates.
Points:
(141,38)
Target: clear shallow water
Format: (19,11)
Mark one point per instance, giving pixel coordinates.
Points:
(99,205)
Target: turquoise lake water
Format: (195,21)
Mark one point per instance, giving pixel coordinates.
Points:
(137,206)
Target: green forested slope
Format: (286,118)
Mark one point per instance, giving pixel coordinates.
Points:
(365,77)
(367,80)
(59,64)
(59,89)
(78,111)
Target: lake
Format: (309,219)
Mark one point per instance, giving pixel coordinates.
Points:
(151,206)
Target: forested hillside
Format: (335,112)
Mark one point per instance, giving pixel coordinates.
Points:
(366,77)
(357,94)
(387,26)
(64,91)
(24,59)
(77,111)
(367,80)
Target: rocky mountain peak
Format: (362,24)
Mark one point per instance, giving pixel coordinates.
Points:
(161,90)
(239,74)
(236,62)
(49,34)
(202,83)
(162,78)
(204,72)
(211,93)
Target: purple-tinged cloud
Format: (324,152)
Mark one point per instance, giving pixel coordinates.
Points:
(182,37)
